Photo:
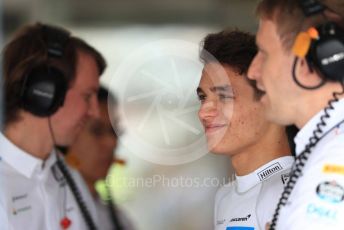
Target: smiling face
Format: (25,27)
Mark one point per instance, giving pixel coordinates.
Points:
(272,70)
(232,118)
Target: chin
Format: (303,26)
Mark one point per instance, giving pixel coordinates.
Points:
(66,141)
(219,150)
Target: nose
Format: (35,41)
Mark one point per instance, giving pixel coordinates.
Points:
(110,142)
(93,110)
(254,71)
(208,110)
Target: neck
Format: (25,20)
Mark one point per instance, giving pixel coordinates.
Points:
(272,145)
(30,134)
(315,102)
(91,186)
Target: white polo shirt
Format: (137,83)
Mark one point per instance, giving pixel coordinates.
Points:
(33,193)
(317,201)
(250,201)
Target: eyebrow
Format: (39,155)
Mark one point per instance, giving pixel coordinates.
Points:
(221,88)
(259,46)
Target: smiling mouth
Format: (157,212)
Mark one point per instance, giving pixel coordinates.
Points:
(214,128)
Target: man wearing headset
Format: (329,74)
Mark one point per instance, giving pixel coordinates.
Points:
(235,126)
(51,80)
(299,68)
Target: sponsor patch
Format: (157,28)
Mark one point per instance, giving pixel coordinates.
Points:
(321,212)
(20,197)
(330,191)
(220,222)
(335,169)
(19,210)
(339,130)
(240,228)
(241,218)
(267,172)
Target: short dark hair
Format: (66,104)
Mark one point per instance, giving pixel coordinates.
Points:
(28,49)
(290,19)
(234,48)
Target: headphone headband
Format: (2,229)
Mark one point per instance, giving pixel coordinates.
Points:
(56,39)
(321,45)
(311,7)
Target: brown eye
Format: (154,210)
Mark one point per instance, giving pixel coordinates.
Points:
(225,96)
(201,97)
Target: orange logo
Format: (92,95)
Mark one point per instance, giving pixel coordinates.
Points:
(336,169)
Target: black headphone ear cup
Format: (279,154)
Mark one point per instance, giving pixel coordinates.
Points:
(44,91)
(327,53)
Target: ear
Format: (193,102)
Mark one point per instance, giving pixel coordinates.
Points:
(307,74)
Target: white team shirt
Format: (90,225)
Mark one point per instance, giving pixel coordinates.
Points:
(317,199)
(105,219)
(249,202)
(32,194)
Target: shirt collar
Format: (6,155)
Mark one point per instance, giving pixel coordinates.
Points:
(303,136)
(263,173)
(20,160)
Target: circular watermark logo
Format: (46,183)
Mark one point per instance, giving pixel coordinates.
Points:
(156,88)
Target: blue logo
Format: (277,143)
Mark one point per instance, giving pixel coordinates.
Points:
(321,212)
(330,191)
(240,228)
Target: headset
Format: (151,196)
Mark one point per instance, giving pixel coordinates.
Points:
(323,48)
(44,86)
(43,92)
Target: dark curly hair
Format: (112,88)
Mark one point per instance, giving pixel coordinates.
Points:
(231,47)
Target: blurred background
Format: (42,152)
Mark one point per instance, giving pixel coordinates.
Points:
(151,49)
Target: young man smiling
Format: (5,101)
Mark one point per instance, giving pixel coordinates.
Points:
(235,125)
(305,87)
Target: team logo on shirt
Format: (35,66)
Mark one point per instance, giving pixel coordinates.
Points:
(219,222)
(241,218)
(330,191)
(22,206)
(339,130)
(16,211)
(321,212)
(267,172)
(285,178)
(335,169)
(240,228)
